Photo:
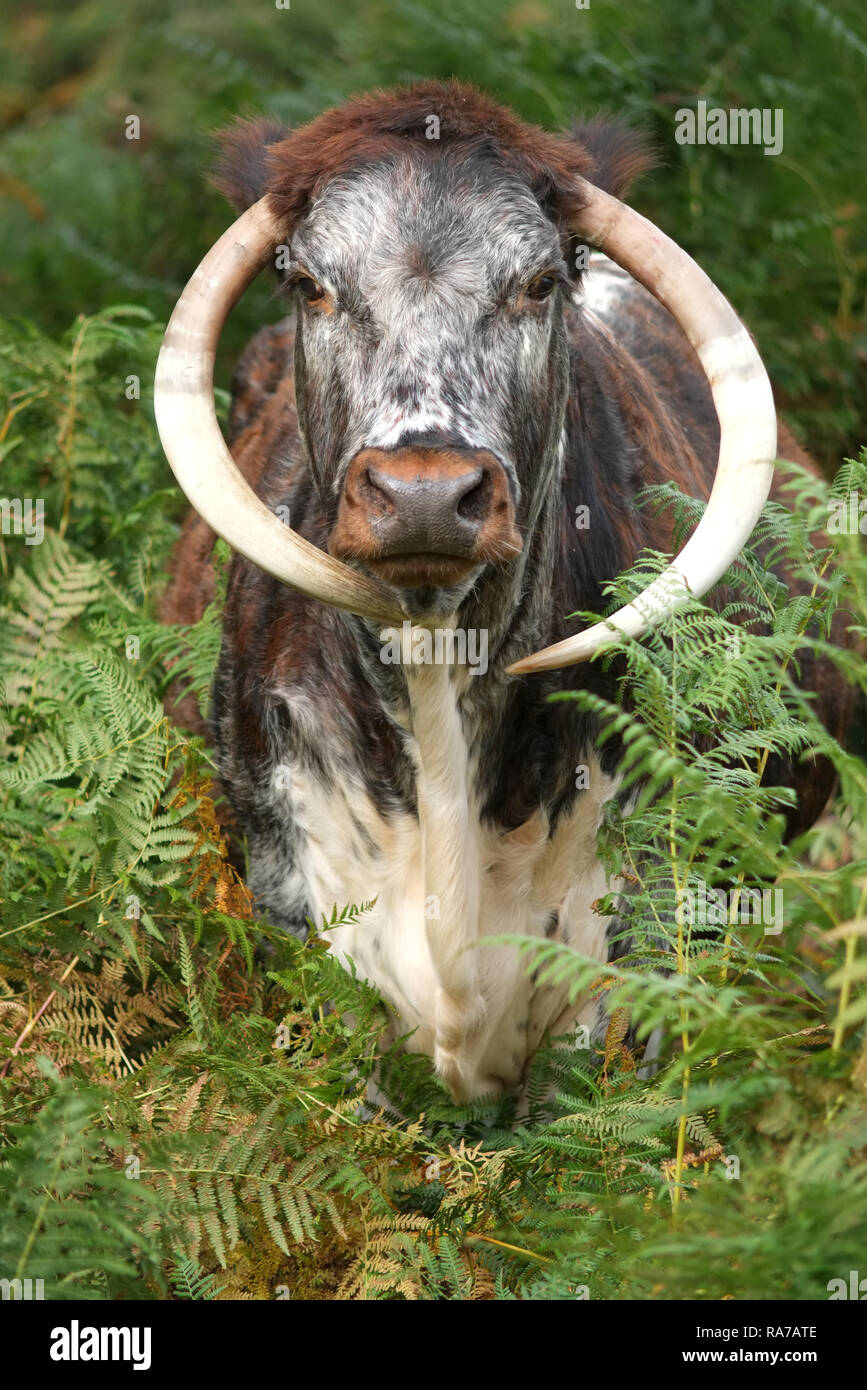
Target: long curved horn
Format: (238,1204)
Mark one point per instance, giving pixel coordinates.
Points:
(194,445)
(742,396)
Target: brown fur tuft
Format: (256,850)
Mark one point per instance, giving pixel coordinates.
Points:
(240,172)
(620,154)
(258,156)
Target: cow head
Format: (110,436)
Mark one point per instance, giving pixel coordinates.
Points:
(428,249)
(432,370)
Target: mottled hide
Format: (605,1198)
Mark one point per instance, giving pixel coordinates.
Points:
(443,320)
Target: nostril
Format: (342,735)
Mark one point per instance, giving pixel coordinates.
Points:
(377,487)
(474,504)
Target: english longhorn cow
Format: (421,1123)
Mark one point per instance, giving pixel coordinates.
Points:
(454,384)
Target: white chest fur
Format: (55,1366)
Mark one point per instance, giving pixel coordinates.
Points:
(442,883)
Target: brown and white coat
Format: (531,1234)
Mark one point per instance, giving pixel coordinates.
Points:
(433,415)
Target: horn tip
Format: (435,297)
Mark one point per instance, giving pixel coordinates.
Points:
(550,660)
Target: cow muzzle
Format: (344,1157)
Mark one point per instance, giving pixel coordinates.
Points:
(417,516)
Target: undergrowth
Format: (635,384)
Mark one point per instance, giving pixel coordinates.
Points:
(181,1113)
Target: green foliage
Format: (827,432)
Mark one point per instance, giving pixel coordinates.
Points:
(183,1107)
(70,1218)
(65,398)
(190,1281)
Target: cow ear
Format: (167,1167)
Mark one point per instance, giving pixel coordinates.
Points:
(240,172)
(619,154)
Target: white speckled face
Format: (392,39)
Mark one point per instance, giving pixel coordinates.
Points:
(441,317)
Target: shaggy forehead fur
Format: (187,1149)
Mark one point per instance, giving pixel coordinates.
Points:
(258,157)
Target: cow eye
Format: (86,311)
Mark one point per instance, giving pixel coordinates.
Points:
(310,288)
(541,287)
